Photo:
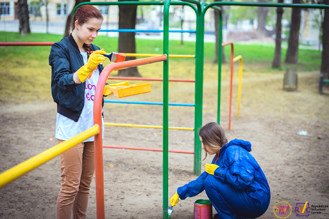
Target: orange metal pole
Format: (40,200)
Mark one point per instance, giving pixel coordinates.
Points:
(231,82)
(99,172)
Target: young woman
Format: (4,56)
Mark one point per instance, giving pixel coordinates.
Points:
(75,72)
(234,182)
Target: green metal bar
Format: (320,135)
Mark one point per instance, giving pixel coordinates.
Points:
(211,5)
(192,1)
(214,7)
(165,107)
(266,5)
(137,3)
(220,41)
(199,60)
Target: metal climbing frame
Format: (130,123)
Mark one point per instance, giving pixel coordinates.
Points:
(97,106)
(200,10)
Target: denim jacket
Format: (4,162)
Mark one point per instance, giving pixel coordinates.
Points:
(65,59)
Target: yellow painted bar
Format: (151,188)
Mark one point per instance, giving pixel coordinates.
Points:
(153,55)
(36,161)
(146,126)
(240,81)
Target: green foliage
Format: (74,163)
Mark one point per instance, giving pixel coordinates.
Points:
(26,68)
(252,53)
(237,13)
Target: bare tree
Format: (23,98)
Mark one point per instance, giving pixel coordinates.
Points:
(47,16)
(278,39)
(23,17)
(325,44)
(292,52)
(127,43)
(182,15)
(262,17)
(69,18)
(224,20)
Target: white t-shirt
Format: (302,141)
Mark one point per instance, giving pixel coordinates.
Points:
(67,128)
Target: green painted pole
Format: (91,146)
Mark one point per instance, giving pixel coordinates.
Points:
(199,59)
(165,106)
(220,41)
(284,5)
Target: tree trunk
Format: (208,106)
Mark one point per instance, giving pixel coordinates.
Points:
(306,23)
(216,16)
(292,51)
(325,44)
(68,25)
(277,55)
(127,44)
(321,30)
(23,16)
(261,18)
(47,17)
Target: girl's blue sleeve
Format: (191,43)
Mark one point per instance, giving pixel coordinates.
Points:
(60,64)
(193,188)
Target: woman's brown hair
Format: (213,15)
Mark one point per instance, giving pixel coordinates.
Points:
(213,136)
(82,15)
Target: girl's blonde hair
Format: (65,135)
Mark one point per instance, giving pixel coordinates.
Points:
(213,136)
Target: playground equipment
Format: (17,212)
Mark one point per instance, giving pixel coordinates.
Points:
(200,9)
(36,161)
(240,82)
(321,83)
(130,89)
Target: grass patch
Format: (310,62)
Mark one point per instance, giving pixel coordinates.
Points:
(26,74)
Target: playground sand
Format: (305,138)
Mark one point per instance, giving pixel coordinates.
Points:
(296,166)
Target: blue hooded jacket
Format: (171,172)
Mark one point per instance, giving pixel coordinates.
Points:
(238,168)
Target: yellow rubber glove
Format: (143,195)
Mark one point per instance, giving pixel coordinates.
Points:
(174,199)
(94,60)
(210,168)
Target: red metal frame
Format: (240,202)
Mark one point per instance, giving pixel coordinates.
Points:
(146,149)
(231,82)
(99,172)
(150,79)
(27,44)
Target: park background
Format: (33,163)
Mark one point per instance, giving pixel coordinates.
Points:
(270,118)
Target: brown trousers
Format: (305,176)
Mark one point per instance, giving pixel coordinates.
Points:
(77,170)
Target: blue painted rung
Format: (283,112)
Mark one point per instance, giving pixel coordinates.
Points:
(148,103)
(147,31)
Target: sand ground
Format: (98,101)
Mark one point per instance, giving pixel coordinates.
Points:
(296,166)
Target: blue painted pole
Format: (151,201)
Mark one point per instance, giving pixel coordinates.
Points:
(149,103)
(147,31)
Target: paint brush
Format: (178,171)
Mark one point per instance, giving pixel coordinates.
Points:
(115,57)
(169,211)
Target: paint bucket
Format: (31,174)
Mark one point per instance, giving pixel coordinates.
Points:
(202,209)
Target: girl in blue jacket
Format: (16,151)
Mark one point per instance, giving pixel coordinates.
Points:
(234,182)
(75,73)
